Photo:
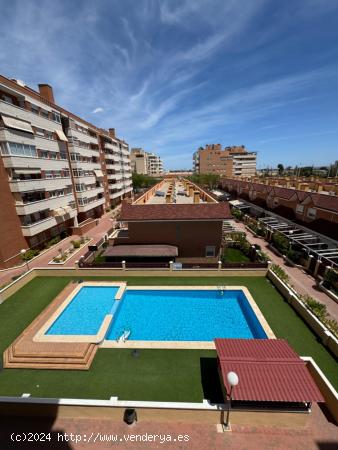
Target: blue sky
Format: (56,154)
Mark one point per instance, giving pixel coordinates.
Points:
(171,76)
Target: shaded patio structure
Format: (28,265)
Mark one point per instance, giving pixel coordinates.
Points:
(134,253)
(271,375)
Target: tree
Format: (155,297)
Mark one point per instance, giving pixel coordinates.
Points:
(280,168)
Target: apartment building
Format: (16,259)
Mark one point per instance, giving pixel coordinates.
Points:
(145,163)
(53,171)
(230,161)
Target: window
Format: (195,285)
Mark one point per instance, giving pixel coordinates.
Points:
(43,154)
(35,109)
(39,132)
(210,251)
(49,134)
(300,209)
(22,149)
(52,155)
(44,113)
(311,213)
(48,174)
(56,117)
(7,99)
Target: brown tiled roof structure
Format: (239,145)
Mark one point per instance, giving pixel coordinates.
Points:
(141,250)
(268,371)
(201,211)
(325,201)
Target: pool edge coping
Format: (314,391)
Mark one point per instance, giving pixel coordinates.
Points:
(41,335)
(100,340)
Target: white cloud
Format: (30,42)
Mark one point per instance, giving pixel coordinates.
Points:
(97,110)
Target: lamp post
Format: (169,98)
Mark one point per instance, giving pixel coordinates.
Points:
(23,252)
(233,380)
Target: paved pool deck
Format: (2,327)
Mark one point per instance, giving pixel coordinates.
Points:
(318,434)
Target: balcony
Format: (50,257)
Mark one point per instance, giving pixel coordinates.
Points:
(29,162)
(89,206)
(47,184)
(37,121)
(85,165)
(23,209)
(46,224)
(86,152)
(42,143)
(90,192)
(82,136)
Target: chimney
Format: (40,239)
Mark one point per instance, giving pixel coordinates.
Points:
(196,197)
(112,132)
(168,198)
(191,191)
(46,92)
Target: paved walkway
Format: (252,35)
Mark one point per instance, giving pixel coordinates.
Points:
(301,280)
(105,223)
(318,434)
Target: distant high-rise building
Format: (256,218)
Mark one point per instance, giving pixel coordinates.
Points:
(230,161)
(145,163)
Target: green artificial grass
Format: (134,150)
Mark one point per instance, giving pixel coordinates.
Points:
(167,375)
(234,255)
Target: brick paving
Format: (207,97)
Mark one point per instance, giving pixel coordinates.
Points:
(301,280)
(104,224)
(318,434)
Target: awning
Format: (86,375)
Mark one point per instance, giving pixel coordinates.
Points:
(61,135)
(17,124)
(27,171)
(144,251)
(98,173)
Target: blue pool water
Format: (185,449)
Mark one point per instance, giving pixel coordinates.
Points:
(162,315)
(85,313)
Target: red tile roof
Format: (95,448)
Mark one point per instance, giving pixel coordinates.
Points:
(268,371)
(325,201)
(283,192)
(201,211)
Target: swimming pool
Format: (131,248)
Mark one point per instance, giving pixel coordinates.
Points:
(185,315)
(160,314)
(86,311)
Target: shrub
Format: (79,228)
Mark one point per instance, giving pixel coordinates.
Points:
(317,308)
(76,244)
(237,214)
(294,256)
(30,254)
(331,280)
(52,241)
(332,325)
(57,259)
(280,242)
(280,272)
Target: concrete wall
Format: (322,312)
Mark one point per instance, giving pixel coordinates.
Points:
(115,414)
(326,388)
(327,338)
(11,289)
(191,238)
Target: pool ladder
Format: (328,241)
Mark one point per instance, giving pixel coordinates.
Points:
(221,289)
(124,336)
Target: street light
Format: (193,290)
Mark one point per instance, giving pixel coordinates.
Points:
(233,380)
(23,252)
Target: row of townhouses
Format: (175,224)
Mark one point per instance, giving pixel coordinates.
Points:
(57,171)
(318,211)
